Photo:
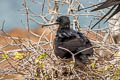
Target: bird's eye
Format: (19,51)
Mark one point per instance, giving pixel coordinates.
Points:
(58,20)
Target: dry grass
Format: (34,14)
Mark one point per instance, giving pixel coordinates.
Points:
(28,54)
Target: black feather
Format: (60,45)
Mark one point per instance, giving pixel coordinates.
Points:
(106,4)
(71,40)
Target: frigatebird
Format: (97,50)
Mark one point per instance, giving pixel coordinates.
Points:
(74,41)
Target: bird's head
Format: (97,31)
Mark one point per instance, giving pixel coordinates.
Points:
(63,21)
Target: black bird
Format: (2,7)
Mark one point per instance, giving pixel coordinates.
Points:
(71,40)
(106,4)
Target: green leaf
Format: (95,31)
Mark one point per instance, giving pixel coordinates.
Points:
(115,54)
(93,65)
(43,56)
(4,56)
(109,67)
(40,64)
(18,55)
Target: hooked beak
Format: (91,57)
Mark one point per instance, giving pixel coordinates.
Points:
(54,23)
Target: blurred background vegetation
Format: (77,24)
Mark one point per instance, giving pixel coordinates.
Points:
(12,12)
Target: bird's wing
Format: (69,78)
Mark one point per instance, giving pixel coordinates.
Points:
(103,17)
(91,6)
(61,46)
(115,12)
(66,35)
(72,44)
(77,44)
(107,4)
(103,5)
